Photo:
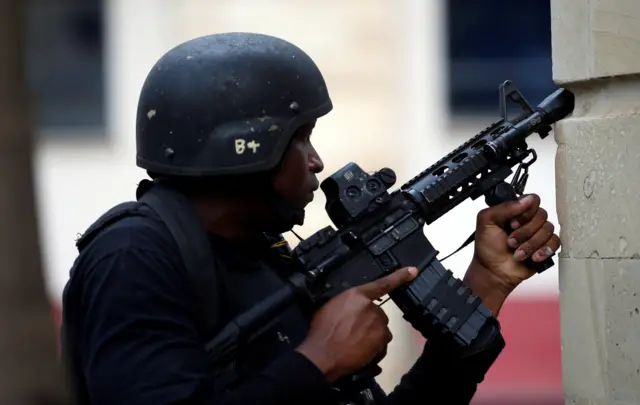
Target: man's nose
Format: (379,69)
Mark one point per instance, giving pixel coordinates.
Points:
(316,165)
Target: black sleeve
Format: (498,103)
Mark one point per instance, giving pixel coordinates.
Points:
(139,343)
(446,375)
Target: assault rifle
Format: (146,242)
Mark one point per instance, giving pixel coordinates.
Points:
(378,231)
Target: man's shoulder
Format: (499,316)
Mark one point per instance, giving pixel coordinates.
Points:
(142,230)
(133,252)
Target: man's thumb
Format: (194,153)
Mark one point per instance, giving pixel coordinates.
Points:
(383,286)
(504,213)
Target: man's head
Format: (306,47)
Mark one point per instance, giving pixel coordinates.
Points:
(230,115)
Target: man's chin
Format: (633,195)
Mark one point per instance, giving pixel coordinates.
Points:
(286,223)
(298,217)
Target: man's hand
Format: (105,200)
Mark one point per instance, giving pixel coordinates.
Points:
(350,330)
(498,263)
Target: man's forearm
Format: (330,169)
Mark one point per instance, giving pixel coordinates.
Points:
(291,379)
(446,374)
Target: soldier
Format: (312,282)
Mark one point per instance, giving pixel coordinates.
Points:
(226,120)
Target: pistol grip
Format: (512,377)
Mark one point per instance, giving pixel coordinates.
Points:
(504,192)
(360,380)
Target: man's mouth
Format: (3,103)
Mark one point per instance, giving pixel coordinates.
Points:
(313,189)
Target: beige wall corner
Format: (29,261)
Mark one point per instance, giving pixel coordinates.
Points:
(596,54)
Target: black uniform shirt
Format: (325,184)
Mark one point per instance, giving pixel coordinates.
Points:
(129,332)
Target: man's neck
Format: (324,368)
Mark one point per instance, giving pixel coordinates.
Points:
(225,219)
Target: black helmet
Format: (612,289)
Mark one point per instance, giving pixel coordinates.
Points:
(226,104)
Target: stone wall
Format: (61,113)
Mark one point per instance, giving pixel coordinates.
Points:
(596,54)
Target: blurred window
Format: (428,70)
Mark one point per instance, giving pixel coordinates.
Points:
(65,66)
(490,41)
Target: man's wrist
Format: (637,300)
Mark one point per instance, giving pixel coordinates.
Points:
(485,284)
(298,380)
(324,363)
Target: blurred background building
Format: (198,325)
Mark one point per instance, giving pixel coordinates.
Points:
(410,80)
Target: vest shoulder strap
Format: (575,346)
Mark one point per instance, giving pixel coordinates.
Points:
(202,269)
